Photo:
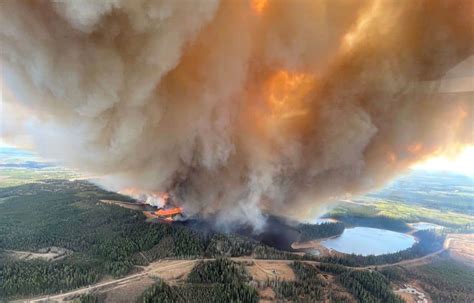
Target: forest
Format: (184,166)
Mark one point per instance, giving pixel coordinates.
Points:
(318,231)
(308,287)
(218,281)
(366,286)
(105,239)
(374,221)
(445,280)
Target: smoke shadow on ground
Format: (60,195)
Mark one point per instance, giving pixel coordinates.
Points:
(276,233)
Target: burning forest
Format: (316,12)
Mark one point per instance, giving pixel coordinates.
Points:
(237,109)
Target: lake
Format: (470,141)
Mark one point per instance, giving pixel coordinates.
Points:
(369,241)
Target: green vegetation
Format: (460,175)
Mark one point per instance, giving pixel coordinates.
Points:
(108,240)
(445,280)
(228,245)
(318,231)
(374,222)
(18,176)
(443,191)
(414,213)
(105,239)
(35,277)
(218,271)
(369,287)
(308,287)
(428,242)
(214,281)
(392,215)
(366,286)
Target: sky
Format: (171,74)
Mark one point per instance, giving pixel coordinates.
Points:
(462,163)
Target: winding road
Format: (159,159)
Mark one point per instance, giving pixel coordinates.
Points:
(163,266)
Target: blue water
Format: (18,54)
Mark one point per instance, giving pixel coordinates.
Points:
(369,241)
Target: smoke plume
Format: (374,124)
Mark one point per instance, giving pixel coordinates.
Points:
(238,108)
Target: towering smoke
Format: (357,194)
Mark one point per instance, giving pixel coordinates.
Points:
(237,108)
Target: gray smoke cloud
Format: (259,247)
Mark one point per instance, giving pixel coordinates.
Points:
(237,108)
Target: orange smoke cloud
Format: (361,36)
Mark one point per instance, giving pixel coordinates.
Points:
(258,6)
(286,92)
(233,114)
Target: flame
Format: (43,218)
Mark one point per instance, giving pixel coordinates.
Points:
(169,212)
(286,92)
(258,6)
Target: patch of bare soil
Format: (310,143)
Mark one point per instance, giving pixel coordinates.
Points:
(130,291)
(461,247)
(412,293)
(123,204)
(315,247)
(266,295)
(47,254)
(261,270)
(171,271)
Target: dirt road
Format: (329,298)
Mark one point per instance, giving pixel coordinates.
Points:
(170,270)
(159,268)
(415,261)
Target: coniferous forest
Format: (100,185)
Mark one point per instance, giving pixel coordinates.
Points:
(106,240)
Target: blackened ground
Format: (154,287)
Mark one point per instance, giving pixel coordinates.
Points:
(276,233)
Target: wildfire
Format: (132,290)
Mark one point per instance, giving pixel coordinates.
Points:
(286,92)
(167,208)
(159,199)
(169,212)
(258,6)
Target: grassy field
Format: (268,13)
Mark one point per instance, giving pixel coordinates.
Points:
(404,212)
(435,190)
(18,176)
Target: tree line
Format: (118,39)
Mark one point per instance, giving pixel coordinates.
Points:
(308,286)
(218,281)
(365,286)
(428,242)
(318,231)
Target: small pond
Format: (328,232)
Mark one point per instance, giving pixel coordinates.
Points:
(369,241)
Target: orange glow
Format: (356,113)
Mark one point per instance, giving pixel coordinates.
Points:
(149,197)
(415,148)
(462,113)
(459,159)
(286,92)
(258,6)
(392,157)
(352,37)
(169,212)
(130,191)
